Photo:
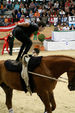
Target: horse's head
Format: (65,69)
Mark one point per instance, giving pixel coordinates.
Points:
(71,80)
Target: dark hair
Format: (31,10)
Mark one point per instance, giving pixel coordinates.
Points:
(41,24)
(36,50)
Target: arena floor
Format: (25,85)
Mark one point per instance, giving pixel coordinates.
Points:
(24,103)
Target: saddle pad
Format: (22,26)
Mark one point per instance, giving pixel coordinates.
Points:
(12,65)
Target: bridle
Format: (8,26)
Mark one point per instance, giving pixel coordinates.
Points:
(51,78)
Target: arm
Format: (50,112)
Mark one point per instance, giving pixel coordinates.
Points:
(23,24)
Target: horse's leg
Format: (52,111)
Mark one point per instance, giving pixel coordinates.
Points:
(52,101)
(8,92)
(44,96)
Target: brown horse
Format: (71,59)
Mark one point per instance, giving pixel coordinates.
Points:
(50,66)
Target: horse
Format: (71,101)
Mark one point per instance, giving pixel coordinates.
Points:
(50,66)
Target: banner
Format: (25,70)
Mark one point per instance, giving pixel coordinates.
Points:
(10,27)
(71,20)
(7,28)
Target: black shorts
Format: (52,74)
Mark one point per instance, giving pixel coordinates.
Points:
(19,34)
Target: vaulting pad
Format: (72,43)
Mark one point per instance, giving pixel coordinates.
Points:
(12,65)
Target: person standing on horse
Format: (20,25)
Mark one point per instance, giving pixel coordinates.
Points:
(22,32)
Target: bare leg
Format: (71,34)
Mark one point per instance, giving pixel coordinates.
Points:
(8,92)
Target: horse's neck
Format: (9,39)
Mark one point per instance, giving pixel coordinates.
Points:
(59,67)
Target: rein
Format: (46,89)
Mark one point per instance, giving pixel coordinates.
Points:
(51,78)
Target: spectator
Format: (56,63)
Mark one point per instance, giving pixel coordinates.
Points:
(22,19)
(6,21)
(36,4)
(44,18)
(40,10)
(2,21)
(14,16)
(66,27)
(64,19)
(67,3)
(67,10)
(16,8)
(23,10)
(35,9)
(72,27)
(56,5)
(27,19)
(72,7)
(1,7)
(31,15)
(13,5)
(72,13)
(57,28)
(55,20)
(21,5)
(61,4)
(50,4)
(61,12)
(18,15)
(10,19)
(32,6)
(59,19)
(51,22)
(37,16)
(9,4)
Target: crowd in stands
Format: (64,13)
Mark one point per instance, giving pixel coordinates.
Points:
(53,13)
(64,27)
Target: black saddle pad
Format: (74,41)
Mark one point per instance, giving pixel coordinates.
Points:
(12,65)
